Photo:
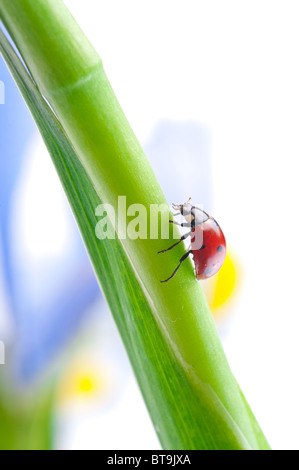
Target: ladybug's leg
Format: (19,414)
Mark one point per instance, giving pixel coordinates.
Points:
(186,235)
(183,224)
(181,260)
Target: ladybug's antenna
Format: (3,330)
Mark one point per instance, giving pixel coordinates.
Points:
(178,207)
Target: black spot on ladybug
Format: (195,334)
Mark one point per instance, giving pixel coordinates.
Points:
(219,249)
(208,271)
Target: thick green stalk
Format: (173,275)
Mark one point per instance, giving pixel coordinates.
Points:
(70,75)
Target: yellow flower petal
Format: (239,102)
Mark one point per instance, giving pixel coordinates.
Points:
(84,380)
(222,287)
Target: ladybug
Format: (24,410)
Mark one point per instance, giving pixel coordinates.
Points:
(208,246)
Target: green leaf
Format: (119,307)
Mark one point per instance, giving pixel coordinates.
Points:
(191,394)
(26,416)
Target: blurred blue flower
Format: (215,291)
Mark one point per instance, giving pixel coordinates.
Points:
(49,281)
(180,154)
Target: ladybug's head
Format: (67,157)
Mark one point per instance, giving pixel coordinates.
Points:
(194,215)
(184,209)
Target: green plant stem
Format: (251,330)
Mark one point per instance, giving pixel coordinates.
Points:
(70,75)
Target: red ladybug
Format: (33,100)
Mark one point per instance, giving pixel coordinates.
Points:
(208,245)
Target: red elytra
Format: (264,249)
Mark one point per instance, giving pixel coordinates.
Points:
(208,246)
(209,258)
